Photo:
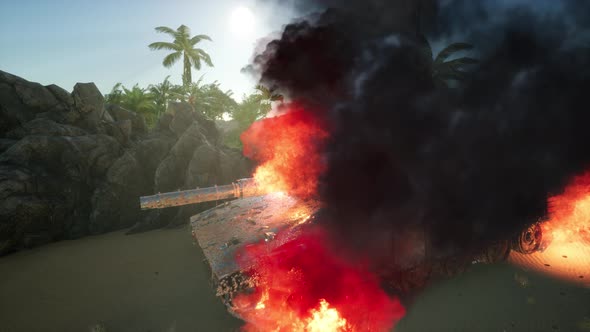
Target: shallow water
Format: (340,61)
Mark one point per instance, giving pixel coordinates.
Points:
(157,281)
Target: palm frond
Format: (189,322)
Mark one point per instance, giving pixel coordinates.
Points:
(196,39)
(425,49)
(266,95)
(262,89)
(164,46)
(204,56)
(460,62)
(452,75)
(171,59)
(195,60)
(276,97)
(167,30)
(449,50)
(183,32)
(117,87)
(200,80)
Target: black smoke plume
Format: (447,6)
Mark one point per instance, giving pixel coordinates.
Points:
(472,163)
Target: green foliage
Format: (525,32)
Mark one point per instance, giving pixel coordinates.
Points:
(266,95)
(152,102)
(183,46)
(162,93)
(114,97)
(141,101)
(135,99)
(209,99)
(253,107)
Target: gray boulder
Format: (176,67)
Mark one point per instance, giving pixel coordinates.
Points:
(61,95)
(163,124)
(203,169)
(88,99)
(182,117)
(138,124)
(115,201)
(27,216)
(233,166)
(70,168)
(81,157)
(21,101)
(107,117)
(45,127)
(150,152)
(170,174)
(70,117)
(120,130)
(35,95)
(6,143)
(90,104)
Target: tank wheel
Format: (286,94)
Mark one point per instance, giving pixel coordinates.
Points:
(529,240)
(498,252)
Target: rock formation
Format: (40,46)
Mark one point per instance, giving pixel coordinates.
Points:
(72,166)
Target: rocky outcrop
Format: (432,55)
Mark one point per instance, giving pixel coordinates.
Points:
(72,166)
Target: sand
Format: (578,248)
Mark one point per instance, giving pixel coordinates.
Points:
(157,281)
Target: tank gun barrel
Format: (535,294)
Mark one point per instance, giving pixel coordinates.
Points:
(238,189)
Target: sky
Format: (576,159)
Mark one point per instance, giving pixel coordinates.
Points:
(68,41)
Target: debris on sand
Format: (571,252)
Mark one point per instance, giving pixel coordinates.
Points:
(521,279)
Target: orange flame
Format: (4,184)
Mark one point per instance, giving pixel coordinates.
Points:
(569,213)
(325,319)
(287,148)
(567,234)
(302,286)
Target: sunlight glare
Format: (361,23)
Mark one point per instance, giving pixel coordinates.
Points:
(242,22)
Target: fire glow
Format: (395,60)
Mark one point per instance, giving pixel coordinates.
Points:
(569,213)
(567,232)
(302,286)
(287,149)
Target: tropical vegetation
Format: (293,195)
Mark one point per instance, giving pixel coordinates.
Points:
(217,104)
(183,46)
(208,99)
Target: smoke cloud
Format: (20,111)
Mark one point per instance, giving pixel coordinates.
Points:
(472,163)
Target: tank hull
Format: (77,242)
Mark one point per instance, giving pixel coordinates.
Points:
(223,230)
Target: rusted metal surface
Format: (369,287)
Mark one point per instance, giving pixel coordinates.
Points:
(221,231)
(239,189)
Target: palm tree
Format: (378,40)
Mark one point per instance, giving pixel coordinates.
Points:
(250,109)
(162,93)
(209,99)
(183,46)
(442,70)
(266,95)
(139,100)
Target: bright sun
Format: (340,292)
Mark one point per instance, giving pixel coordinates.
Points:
(241,22)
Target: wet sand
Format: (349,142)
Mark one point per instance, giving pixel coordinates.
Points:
(157,281)
(152,281)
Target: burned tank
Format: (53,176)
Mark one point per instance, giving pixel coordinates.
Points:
(247,215)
